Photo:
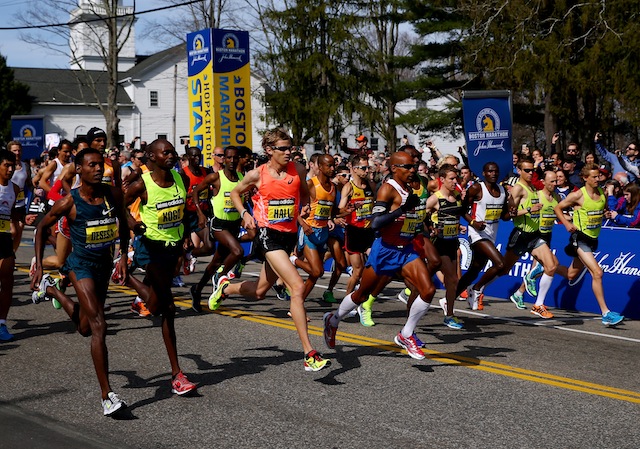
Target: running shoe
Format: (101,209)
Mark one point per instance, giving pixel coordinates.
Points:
(41,294)
(140,308)
(218,293)
(530,285)
(180,385)
(112,404)
(443,305)
(612,318)
(516,298)
(418,341)
(463,296)
(189,264)
(410,345)
(54,302)
(472,298)
(365,317)
(402,296)
(5,335)
(192,264)
(537,271)
(314,361)
(329,331)
(349,271)
(327,296)
(178,282)
(32,267)
(481,301)
(282,293)
(453,322)
(196,299)
(115,276)
(236,273)
(541,311)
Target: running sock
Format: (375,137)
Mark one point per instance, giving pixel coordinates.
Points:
(368,304)
(137,300)
(417,311)
(346,306)
(543,289)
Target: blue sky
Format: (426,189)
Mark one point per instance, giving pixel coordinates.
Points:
(21,54)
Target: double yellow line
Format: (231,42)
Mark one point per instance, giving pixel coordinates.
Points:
(450,359)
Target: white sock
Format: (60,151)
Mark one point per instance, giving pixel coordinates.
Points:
(417,311)
(543,289)
(346,306)
(137,300)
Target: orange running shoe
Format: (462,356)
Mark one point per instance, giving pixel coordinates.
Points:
(480,303)
(464,295)
(541,311)
(140,308)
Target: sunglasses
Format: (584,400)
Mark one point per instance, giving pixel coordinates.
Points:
(406,166)
(527,170)
(283,148)
(362,167)
(343,175)
(219,155)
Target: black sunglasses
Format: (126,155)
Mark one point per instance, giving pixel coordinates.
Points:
(406,166)
(283,148)
(527,170)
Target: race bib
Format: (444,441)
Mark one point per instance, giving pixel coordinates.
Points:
(170,213)
(493,212)
(101,233)
(323,210)
(228,204)
(280,211)
(5,223)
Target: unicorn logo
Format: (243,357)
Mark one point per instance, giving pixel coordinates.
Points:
(487,124)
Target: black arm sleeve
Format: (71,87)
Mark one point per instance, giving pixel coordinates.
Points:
(381,215)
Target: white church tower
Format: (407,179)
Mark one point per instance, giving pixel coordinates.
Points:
(89,40)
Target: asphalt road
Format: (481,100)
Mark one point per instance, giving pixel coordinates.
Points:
(507,380)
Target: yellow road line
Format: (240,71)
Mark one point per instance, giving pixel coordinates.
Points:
(450,359)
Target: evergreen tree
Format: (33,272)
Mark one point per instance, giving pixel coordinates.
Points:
(14,99)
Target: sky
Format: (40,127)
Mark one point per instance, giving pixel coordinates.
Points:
(21,54)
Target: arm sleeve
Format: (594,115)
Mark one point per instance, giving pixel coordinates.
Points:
(381,215)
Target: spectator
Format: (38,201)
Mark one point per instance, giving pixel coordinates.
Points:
(627,162)
(625,211)
(573,173)
(622,178)
(591,158)
(605,175)
(564,187)
(574,152)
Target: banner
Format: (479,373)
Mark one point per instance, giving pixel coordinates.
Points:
(487,130)
(219,90)
(29,131)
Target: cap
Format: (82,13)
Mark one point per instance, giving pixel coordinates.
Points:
(570,160)
(95,133)
(361,138)
(604,170)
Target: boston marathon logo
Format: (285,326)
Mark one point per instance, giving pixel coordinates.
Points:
(488,131)
(230,48)
(199,52)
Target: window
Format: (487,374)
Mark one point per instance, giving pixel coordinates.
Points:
(161,136)
(153,99)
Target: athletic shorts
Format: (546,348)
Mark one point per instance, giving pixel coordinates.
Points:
(580,240)
(546,236)
(99,271)
(337,233)
(521,242)
(63,227)
(317,240)
(271,240)
(6,246)
(447,247)
(358,240)
(387,259)
(147,251)
(233,227)
(19,213)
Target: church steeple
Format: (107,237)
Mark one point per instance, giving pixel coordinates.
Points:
(89,40)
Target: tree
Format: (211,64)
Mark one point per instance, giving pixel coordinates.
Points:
(105,37)
(14,99)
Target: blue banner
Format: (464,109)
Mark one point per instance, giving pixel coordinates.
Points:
(29,131)
(487,130)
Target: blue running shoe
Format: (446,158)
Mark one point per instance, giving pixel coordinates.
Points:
(419,342)
(5,335)
(612,318)
(537,271)
(453,322)
(516,298)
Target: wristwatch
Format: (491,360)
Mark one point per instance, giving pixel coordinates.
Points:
(529,209)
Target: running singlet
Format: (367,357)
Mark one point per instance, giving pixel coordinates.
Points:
(19,178)
(277,201)
(420,212)
(57,171)
(403,230)
(547,215)
(223,207)
(107,175)
(525,222)
(164,210)
(94,230)
(7,200)
(194,180)
(588,219)
(488,210)
(322,206)
(362,200)
(447,218)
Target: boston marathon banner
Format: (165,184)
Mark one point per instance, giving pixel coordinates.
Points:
(219,90)
(29,131)
(487,129)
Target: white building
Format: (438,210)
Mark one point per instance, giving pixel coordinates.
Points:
(152,96)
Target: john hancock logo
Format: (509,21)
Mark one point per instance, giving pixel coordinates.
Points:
(199,52)
(230,48)
(488,133)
